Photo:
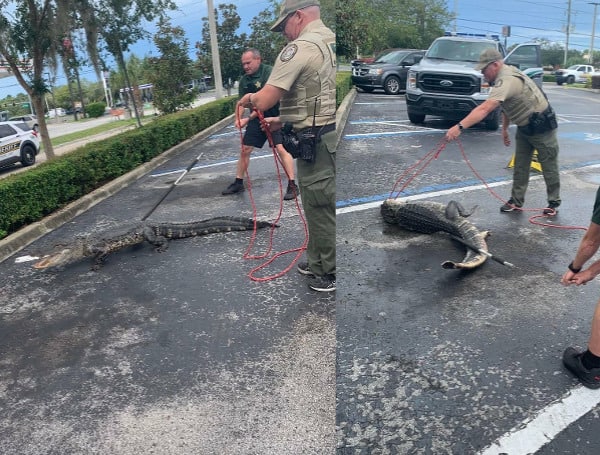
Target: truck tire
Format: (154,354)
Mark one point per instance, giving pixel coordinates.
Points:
(559,82)
(492,121)
(416,118)
(392,85)
(571,80)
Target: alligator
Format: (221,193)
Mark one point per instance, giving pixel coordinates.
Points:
(429,217)
(158,235)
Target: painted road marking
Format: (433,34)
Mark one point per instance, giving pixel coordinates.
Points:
(532,434)
(206,166)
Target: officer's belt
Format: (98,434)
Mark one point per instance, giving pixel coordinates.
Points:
(318,131)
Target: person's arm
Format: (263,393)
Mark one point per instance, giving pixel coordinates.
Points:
(587,248)
(475,116)
(264,99)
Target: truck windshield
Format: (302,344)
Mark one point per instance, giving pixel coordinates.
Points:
(463,51)
(391,57)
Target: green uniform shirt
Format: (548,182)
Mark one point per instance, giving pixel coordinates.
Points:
(254,82)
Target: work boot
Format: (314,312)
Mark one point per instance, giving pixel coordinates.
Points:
(292,191)
(235,187)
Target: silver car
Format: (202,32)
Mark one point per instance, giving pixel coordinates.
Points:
(29,119)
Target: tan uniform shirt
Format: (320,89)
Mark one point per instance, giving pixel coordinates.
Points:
(518,94)
(306,72)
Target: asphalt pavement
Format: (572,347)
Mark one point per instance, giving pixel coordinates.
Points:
(436,361)
(195,350)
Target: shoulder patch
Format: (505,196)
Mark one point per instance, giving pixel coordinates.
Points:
(498,83)
(288,53)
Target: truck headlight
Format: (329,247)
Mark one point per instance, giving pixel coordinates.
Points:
(485,87)
(411,81)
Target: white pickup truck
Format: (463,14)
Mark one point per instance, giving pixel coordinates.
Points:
(575,73)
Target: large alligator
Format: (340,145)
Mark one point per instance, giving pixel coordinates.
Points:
(156,234)
(429,217)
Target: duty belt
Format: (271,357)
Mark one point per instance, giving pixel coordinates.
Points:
(320,130)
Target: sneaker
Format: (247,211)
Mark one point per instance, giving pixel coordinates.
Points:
(235,187)
(325,283)
(510,206)
(572,360)
(304,269)
(551,209)
(292,191)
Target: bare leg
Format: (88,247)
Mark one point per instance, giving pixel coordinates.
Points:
(244,161)
(287,161)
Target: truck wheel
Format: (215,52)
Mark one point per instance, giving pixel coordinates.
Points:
(492,121)
(27,155)
(571,80)
(559,82)
(416,118)
(392,85)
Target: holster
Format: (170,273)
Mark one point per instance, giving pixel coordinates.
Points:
(303,144)
(541,122)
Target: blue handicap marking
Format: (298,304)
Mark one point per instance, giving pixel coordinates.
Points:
(593,138)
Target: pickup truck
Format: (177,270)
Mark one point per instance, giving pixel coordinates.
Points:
(575,73)
(445,83)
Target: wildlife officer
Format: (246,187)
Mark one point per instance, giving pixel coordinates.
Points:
(525,104)
(303,80)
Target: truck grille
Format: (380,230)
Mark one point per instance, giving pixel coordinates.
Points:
(452,84)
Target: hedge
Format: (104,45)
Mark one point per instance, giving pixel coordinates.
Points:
(29,196)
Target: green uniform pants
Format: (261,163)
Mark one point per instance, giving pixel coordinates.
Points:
(317,188)
(547,146)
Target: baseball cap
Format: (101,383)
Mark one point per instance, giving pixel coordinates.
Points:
(288,7)
(488,56)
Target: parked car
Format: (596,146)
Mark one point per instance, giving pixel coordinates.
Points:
(59,111)
(388,71)
(575,73)
(29,119)
(18,142)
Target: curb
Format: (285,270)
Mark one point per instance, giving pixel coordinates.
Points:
(23,237)
(342,113)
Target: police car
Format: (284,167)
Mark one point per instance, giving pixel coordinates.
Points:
(18,143)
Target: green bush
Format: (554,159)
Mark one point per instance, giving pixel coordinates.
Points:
(94,110)
(343,85)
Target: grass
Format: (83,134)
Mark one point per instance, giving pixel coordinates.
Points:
(109,126)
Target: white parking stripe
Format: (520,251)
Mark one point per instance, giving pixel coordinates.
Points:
(532,434)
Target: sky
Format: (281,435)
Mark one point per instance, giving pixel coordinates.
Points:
(188,16)
(528,19)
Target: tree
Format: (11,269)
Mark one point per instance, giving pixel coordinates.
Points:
(370,26)
(29,40)
(231,45)
(172,70)
(119,24)
(262,38)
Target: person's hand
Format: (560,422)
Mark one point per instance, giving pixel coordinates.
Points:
(273,123)
(239,124)
(505,137)
(245,101)
(578,278)
(452,133)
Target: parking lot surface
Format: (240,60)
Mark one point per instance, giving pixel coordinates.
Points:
(177,352)
(435,361)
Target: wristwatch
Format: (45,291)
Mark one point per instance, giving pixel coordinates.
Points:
(460,126)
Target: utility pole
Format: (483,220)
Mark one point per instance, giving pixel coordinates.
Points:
(591,58)
(568,32)
(214,49)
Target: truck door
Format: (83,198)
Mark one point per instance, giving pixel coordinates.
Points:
(528,58)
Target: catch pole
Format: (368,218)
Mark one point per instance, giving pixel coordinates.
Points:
(175,183)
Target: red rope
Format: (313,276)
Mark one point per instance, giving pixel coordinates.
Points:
(420,165)
(299,250)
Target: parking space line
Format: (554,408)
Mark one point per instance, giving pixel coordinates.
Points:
(532,434)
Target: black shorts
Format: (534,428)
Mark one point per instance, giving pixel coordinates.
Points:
(256,137)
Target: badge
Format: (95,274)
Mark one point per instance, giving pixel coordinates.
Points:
(288,53)
(258,84)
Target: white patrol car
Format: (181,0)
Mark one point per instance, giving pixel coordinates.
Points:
(18,143)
